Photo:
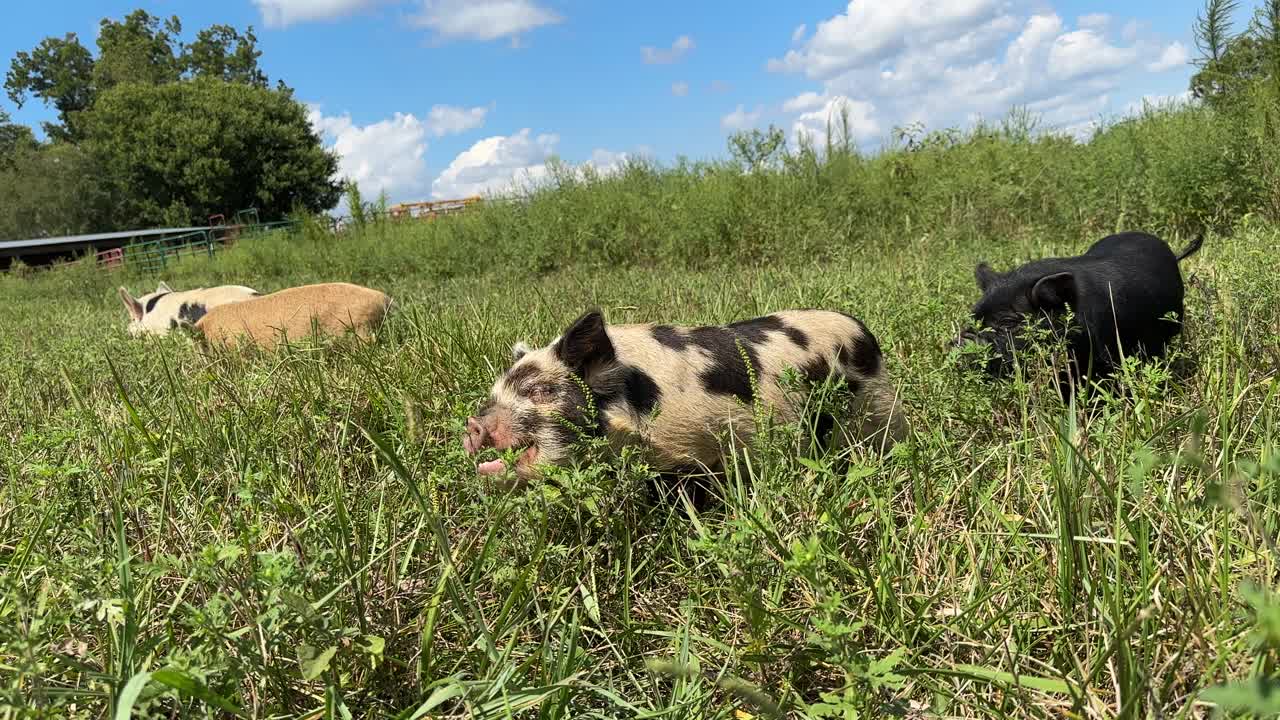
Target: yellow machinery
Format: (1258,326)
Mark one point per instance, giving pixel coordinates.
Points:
(429,210)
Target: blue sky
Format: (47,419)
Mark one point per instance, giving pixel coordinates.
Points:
(443,98)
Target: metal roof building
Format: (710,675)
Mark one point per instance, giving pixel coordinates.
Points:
(43,250)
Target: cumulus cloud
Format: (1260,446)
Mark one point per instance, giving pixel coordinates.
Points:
(1085,52)
(802,102)
(502,164)
(831,114)
(661,56)
(798,34)
(868,32)
(1174,55)
(387,155)
(680,89)
(451,120)
(948,62)
(606,162)
(283,13)
(495,164)
(741,118)
(483,19)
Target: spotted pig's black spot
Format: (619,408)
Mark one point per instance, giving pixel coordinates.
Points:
(151,304)
(641,391)
(670,337)
(861,355)
(570,421)
(517,375)
(191,312)
(757,330)
(816,370)
(797,336)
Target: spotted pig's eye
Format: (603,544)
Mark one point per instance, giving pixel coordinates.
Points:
(542,392)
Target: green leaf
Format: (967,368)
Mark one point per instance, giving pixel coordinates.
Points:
(313,664)
(189,685)
(129,695)
(1031,682)
(375,645)
(439,697)
(814,465)
(1259,695)
(590,604)
(298,604)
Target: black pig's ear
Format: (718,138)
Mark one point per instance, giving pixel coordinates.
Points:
(1053,292)
(985,276)
(519,350)
(585,345)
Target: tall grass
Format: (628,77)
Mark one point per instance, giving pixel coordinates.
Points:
(302,535)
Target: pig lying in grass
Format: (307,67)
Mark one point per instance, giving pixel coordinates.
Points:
(1125,295)
(331,308)
(675,390)
(163,310)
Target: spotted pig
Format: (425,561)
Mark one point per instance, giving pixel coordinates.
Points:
(675,390)
(165,309)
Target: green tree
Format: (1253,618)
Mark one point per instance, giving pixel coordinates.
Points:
(50,190)
(221,52)
(141,48)
(1241,65)
(59,71)
(1231,66)
(138,49)
(13,138)
(179,152)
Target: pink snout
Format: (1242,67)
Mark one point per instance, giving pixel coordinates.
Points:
(477,437)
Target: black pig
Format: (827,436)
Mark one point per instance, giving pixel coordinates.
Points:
(1121,293)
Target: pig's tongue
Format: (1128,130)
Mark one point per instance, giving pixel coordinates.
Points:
(493,467)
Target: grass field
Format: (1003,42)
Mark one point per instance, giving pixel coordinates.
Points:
(303,535)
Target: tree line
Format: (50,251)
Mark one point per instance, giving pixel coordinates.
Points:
(154,130)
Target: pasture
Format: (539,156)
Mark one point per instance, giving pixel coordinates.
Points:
(302,534)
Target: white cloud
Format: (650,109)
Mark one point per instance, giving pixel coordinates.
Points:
(868,32)
(501,164)
(831,114)
(484,19)
(680,89)
(741,119)
(948,62)
(1085,52)
(659,56)
(606,162)
(495,163)
(803,101)
(283,13)
(798,34)
(450,120)
(1175,55)
(387,155)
